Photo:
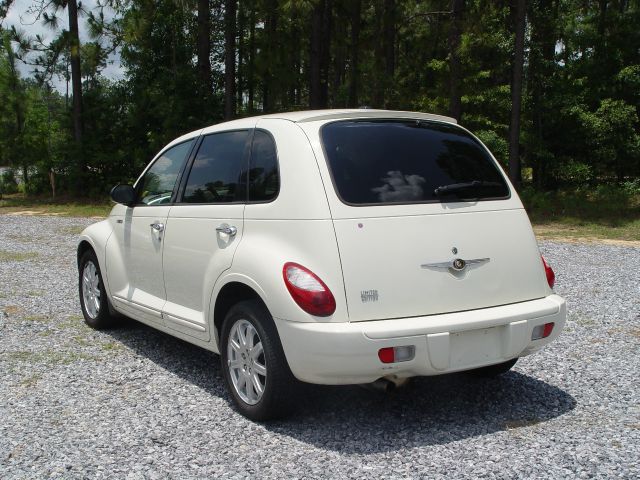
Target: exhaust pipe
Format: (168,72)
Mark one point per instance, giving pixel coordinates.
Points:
(380,385)
(386,384)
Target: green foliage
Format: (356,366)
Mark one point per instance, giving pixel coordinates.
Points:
(8,182)
(605,203)
(581,95)
(496,144)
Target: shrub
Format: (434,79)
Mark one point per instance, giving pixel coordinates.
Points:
(8,182)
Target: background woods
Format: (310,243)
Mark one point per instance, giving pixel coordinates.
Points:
(551,86)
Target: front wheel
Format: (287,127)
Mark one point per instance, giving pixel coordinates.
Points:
(93,297)
(253,363)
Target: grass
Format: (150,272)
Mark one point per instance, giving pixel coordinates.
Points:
(18,237)
(31,381)
(48,357)
(112,346)
(71,230)
(62,206)
(603,213)
(6,256)
(73,322)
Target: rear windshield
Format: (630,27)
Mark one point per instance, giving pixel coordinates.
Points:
(408,161)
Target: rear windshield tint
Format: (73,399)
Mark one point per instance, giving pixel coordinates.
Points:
(408,161)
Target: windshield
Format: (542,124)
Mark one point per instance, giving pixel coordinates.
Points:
(408,161)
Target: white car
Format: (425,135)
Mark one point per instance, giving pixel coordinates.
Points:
(332,247)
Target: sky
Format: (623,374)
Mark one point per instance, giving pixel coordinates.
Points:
(19,17)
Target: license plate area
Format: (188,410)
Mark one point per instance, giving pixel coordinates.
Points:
(476,347)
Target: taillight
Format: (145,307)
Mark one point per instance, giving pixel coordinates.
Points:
(551,277)
(308,291)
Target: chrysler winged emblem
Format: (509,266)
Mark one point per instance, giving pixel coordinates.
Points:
(457,264)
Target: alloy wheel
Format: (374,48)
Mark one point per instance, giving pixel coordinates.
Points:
(246,362)
(91,289)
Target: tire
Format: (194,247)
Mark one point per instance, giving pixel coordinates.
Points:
(93,297)
(496,370)
(256,396)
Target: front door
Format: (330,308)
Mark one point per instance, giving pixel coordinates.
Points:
(204,229)
(134,253)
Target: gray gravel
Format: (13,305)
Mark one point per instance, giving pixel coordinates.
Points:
(135,403)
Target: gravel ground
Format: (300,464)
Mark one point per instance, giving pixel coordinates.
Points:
(135,403)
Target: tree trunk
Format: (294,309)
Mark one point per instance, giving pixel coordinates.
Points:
(242,19)
(455,31)
(229,59)
(76,89)
(355,47)
(339,60)
(602,18)
(293,60)
(389,28)
(320,49)
(377,95)
(270,27)
(543,41)
(315,59)
(516,94)
(326,54)
(252,61)
(204,46)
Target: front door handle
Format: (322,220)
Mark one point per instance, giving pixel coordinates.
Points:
(158,227)
(228,229)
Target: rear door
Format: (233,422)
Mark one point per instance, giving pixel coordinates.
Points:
(425,221)
(204,228)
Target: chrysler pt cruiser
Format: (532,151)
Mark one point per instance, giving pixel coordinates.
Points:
(331,247)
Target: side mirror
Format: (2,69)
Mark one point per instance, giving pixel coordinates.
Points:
(124,194)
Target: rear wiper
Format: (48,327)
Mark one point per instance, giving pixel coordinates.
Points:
(456,187)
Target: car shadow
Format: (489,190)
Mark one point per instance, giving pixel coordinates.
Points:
(351,419)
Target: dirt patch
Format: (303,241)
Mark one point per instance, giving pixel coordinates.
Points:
(16,256)
(605,241)
(11,310)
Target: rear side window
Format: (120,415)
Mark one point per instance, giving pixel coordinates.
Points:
(217,172)
(408,161)
(264,179)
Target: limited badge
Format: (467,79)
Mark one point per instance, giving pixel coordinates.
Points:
(369,296)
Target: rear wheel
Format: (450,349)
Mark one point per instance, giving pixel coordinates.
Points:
(255,369)
(93,297)
(494,370)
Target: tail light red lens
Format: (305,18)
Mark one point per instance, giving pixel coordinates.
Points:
(308,291)
(386,355)
(551,277)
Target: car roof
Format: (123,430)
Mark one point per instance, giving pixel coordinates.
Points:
(311,116)
(334,114)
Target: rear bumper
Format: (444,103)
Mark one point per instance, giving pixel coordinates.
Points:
(347,352)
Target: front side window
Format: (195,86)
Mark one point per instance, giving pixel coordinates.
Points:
(264,179)
(408,161)
(158,182)
(217,172)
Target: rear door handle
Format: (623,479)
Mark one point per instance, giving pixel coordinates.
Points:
(228,229)
(158,227)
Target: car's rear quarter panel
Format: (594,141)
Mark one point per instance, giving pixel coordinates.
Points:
(295,227)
